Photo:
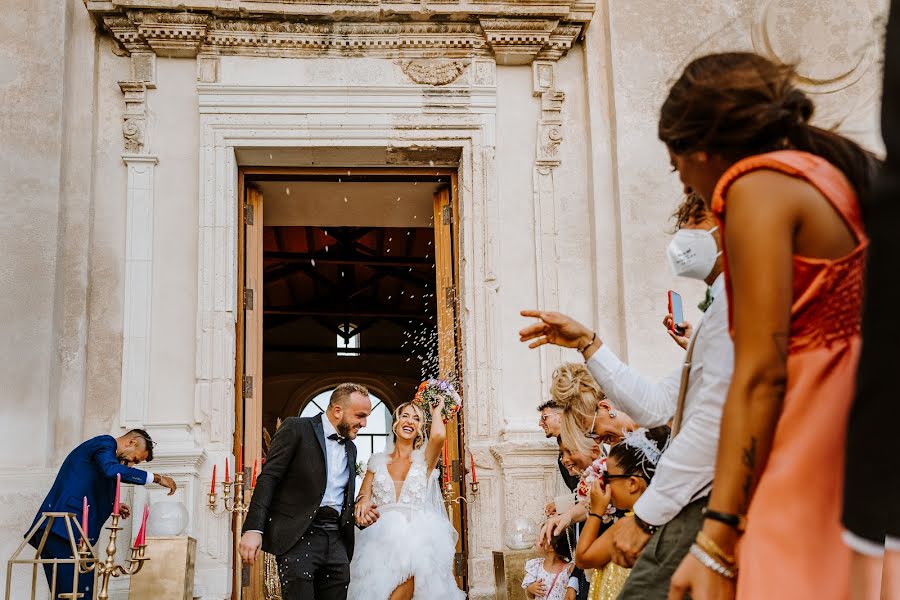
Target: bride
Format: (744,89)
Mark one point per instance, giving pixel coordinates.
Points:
(408,552)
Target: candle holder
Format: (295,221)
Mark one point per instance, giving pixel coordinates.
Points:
(109,568)
(237,506)
(457,471)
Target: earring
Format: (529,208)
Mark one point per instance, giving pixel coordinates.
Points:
(612,413)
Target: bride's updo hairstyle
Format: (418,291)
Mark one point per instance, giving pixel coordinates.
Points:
(737,104)
(420,434)
(577,393)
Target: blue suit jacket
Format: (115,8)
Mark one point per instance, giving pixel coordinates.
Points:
(88,471)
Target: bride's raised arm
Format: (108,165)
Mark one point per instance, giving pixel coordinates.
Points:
(436,437)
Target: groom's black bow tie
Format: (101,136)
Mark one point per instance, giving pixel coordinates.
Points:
(337,438)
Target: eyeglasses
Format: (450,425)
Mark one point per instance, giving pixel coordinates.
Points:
(607,477)
(150,443)
(544,418)
(590,432)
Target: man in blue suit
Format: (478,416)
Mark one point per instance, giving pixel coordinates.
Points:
(89,471)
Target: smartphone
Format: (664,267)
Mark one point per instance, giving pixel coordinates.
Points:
(677,312)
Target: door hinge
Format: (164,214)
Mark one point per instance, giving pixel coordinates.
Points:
(450,297)
(247,385)
(248,298)
(458,472)
(447,215)
(460,565)
(248,214)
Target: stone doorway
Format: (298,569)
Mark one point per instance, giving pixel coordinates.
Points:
(347,275)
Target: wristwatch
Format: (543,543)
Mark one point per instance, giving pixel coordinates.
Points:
(645,526)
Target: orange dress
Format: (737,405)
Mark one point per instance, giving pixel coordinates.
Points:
(792,547)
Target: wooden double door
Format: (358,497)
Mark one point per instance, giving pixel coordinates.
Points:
(249,583)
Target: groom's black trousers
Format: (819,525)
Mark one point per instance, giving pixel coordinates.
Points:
(317,567)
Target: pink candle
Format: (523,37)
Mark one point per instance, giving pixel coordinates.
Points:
(253,477)
(118,491)
(226,470)
(212,488)
(84,517)
(474,476)
(142,532)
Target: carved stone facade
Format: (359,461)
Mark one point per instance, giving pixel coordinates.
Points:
(547,108)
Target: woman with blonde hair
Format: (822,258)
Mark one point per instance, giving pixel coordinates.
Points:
(407,554)
(588,417)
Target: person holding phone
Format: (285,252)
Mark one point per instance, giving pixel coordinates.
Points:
(669,514)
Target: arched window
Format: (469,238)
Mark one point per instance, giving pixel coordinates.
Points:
(371,438)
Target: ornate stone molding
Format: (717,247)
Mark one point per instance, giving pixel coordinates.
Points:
(435,73)
(513,40)
(547,158)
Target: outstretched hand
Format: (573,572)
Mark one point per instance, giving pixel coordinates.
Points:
(554,328)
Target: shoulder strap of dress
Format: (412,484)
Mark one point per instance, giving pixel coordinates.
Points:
(824,176)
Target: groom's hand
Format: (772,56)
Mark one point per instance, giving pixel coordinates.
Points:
(249,547)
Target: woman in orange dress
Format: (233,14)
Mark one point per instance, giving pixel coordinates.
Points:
(785,193)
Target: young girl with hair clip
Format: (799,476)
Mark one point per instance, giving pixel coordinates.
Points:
(548,578)
(629,468)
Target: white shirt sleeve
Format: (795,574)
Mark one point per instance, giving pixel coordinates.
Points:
(649,403)
(149,477)
(685,470)
(573,583)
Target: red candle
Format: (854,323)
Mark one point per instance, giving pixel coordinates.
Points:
(474,476)
(142,532)
(212,488)
(84,517)
(118,489)
(446,461)
(240,460)
(226,470)
(253,477)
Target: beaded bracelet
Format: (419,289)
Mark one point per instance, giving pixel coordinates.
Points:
(588,345)
(711,563)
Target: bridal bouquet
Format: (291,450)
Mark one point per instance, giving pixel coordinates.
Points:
(594,472)
(440,391)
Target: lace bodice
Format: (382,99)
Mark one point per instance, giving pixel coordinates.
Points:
(412,490)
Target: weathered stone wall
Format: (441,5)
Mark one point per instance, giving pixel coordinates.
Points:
(120,207)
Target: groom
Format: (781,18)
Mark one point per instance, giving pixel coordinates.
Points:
(302,506)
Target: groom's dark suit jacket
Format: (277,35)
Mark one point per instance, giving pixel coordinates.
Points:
(291,486)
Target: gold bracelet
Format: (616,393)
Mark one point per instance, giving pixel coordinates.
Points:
(711,547)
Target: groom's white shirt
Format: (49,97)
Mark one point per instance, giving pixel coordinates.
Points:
(336,464)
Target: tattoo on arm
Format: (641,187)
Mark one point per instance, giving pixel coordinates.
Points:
(781,340)
(749,461)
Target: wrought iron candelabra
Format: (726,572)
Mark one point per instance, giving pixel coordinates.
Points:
(238,505)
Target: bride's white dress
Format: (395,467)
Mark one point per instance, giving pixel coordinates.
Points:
(412,538)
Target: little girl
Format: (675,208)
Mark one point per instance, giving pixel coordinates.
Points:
(630,466)
(547,578)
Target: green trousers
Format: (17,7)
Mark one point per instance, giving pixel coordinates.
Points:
(650,577)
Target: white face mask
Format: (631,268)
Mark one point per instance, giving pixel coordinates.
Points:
(693,253)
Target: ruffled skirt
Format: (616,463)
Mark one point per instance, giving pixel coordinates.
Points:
(404,543)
